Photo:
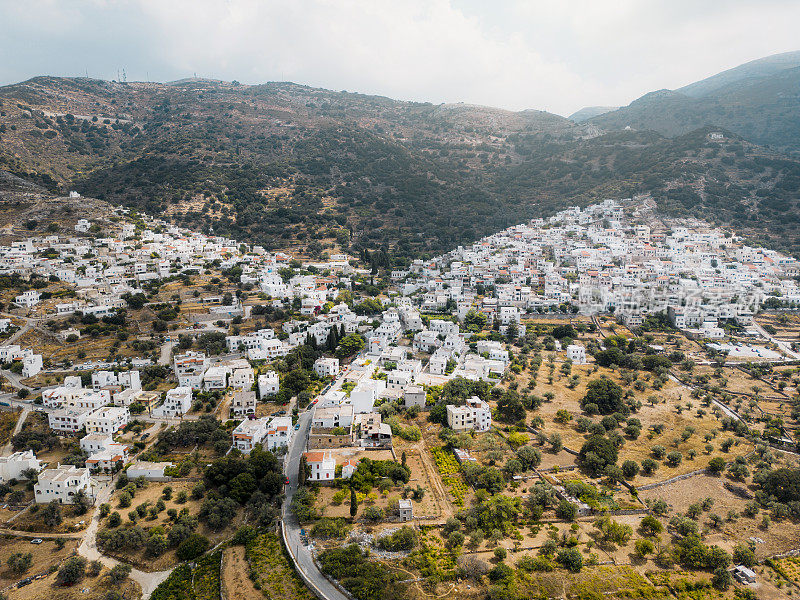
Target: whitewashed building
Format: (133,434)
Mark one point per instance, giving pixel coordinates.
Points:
(62,484)
(475,415)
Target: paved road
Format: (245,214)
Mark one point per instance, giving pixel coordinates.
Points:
(20,332)
(14,380)
(299,552)
(784,346)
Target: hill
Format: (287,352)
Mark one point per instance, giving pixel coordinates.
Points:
(761,67)
(589,112)
(759,100)
(312,171)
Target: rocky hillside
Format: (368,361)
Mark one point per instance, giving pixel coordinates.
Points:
(312,170)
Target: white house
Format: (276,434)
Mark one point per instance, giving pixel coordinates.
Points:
(474,415)
(95,442)
(333,416)
(108,420)
(243,403)
(268,384)
(31,365)
(67,420)
(151,471)
(215,378)
(326,367)
(279,433)
(62,484)
(398,380)
(125,379)
(107,459)
(248,433)
(364,395)
(322,466)
(494,349)
(27,299)
(10,353)
(11,467)
(577,354)
(437,365)
(414,395)
(177,402)
(349,467)
(242,379)
(189,369)
(405,510)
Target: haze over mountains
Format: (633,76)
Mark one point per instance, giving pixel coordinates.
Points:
(759,100)
(290,166)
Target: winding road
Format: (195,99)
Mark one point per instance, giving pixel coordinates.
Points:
(300,553)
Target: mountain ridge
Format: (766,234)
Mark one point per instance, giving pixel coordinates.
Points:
(311,170)
(759,100)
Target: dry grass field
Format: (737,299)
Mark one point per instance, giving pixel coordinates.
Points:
(235,580)
(90,588)
(664,412)
(149,495)
(45,555)
(787,325)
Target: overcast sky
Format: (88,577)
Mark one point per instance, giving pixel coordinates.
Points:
(555,55)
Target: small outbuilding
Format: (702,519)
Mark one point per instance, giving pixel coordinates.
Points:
(406,510)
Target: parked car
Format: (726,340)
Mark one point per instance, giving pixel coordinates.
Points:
(36,541)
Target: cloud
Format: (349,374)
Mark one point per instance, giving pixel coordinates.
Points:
(410,50)
(555,55)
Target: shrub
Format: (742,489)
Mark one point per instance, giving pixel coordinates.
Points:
(604,395)
(596,454)
(500,572)
(716,465)
(365,580)
(404,539)
(674,458)
(649,466)
(644,547)
(630,469)
(566,510)
(19,562)
(94,568)
(192,547)
(72,571)
(570,559)
(119,573)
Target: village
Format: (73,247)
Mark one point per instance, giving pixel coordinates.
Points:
(131,328)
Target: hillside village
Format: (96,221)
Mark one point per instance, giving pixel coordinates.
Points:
(512,396)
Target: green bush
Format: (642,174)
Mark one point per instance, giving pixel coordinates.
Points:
(192,547)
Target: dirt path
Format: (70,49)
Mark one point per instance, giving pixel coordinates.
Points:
(235,582)
(88,549)
(7,449)
(438,490)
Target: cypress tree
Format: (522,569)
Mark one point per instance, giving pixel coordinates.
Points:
(353,503)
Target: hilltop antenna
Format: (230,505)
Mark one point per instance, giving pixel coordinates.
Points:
(124,76)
